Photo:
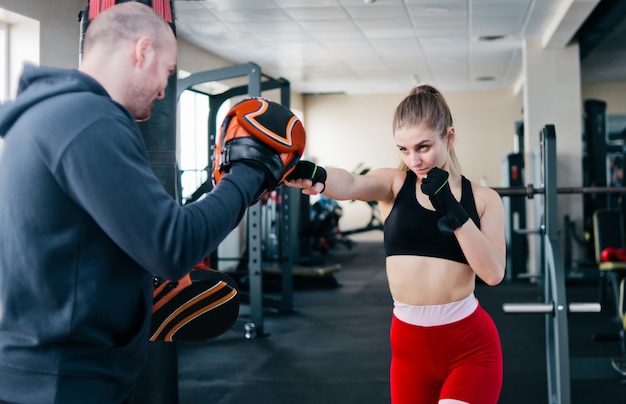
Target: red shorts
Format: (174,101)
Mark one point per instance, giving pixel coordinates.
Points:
(460,360)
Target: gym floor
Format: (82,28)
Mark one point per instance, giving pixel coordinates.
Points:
(334,348)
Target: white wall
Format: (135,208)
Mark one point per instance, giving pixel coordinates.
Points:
(58,30)
(347,130)
(485,127)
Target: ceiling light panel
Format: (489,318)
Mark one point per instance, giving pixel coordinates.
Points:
(305,3)
(317,13)
(381,10)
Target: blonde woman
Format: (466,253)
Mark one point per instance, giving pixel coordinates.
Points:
(441,231)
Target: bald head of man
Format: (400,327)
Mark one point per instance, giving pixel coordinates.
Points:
(131,51)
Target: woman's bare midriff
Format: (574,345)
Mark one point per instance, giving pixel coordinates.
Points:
(422,281)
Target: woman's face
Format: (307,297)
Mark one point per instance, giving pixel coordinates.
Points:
(423,148)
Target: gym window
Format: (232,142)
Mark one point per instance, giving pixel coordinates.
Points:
(19,42)
(193,138)
(4,62)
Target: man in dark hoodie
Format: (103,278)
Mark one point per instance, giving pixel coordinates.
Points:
(85,224)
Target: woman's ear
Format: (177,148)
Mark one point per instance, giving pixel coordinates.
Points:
(450,134)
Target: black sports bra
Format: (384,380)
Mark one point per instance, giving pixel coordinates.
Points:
(411,229)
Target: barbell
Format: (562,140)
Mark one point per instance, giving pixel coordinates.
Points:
(547,308)
(530,191)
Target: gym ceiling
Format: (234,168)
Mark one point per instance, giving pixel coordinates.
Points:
(389,46)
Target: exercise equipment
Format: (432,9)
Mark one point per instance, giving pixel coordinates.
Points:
(515,219)
(555,306)
(322,227)
(582,268)
(603,161)
(610,255)
(284,229)
(597,195)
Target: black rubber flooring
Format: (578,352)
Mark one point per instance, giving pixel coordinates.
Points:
(334,347)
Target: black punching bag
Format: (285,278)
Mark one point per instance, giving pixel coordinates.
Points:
(158,383)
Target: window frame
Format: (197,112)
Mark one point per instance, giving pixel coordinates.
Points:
(4,61)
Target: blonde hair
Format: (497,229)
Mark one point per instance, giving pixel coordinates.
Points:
(425,105)
(127,21)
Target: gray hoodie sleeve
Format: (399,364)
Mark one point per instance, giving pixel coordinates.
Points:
(105,171)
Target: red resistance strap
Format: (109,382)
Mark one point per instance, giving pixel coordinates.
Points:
(162,7)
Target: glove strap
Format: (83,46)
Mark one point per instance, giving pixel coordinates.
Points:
(441,187)
(319,175)
(452,220)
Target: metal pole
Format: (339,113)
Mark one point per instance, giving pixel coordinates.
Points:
(548,308)
(255,258)
(557,339)
(287,226)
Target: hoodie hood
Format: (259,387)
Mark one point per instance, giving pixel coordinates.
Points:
(40,83)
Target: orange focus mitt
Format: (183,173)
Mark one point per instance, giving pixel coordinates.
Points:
(263,133)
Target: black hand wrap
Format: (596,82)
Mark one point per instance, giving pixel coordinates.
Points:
(453,215)
(309,171)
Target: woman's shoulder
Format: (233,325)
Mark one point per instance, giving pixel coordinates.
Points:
(393,178)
